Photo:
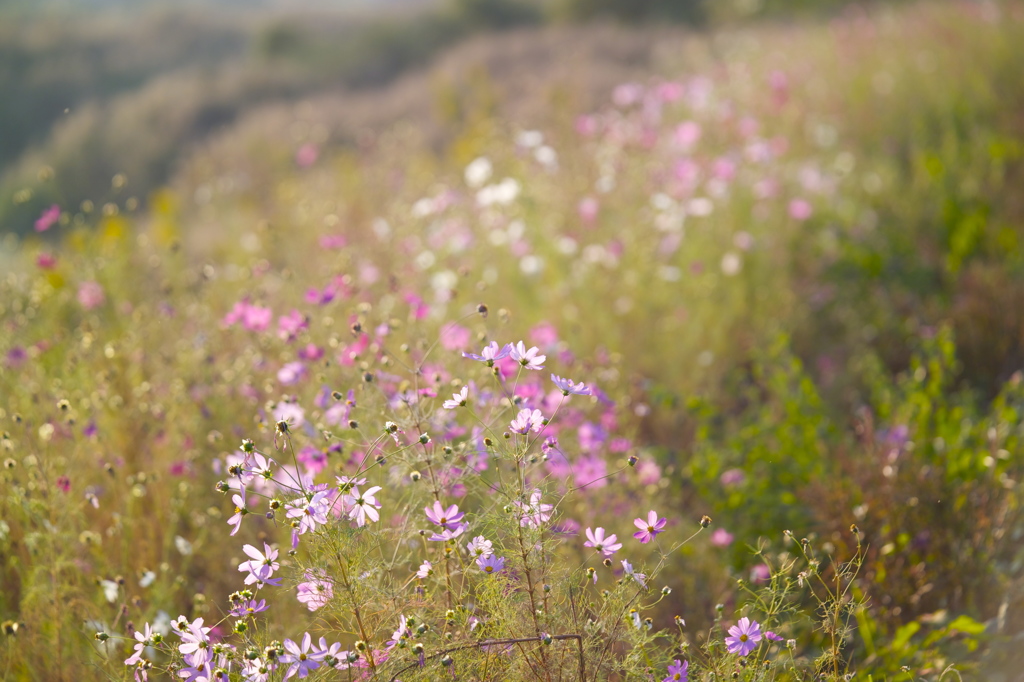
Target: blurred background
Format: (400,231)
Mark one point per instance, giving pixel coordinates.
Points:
(787,236)
(93,88)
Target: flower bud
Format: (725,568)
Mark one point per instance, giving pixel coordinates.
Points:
(705,521)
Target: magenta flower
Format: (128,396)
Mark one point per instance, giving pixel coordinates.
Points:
(570,387)
(48,218)
(289,326)
(678,672)
(248,608)
(491,563)
(490,353)
(449,518)
(605,545)
(529,359)
(743,637)
(772,636)
(315,592)
(650,528)
(300,658)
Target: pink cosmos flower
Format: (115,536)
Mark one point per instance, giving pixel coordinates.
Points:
(448,518)
(800,209)
(289,326)
(458,399)
(455,337)
(425,570)
(569,387)
(240,511)
(490,353)
(649,528)
(195,644)
(529,359)
(527,420)
(261,565)
(605,545)
(480,546)
(363,506)
(310,512)
(535,512)
(315,592)
(721,538)
(743,637)
(48,218)
(90,295)
(143,641)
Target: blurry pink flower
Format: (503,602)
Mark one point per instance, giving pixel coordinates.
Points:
(311,352)
(721,538)
(333,241)
(800,209)
(586,126)
(544,335)
(48,218)
(64,483)
(588,209)
(760,573)
(90,295)
(288,326)
(307,155)
(732,477)
(669,92)
(627,94)
(648,472)
(455,337)
(291,373)
(46,261)
(687,135)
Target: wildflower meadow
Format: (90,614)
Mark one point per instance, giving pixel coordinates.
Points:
(720,379)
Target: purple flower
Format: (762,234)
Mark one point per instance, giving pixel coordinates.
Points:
(527,420)
(332,656)
(772,636)
(195,644)
(490,353)
(491,563)
(743,637)
(605,545)
(568,386)
(248,608)
(627,568)
(650,528)
(458,399)
(678,672)
(449,518)
(315,592)
(447,534)
(529,359)
(301,659)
